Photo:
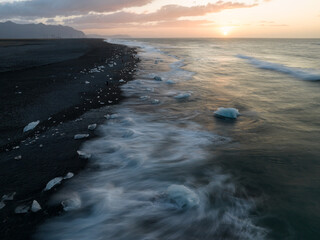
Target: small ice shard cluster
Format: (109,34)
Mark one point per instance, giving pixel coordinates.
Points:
(182,196)
(31,126)
(35,207)
(227,113)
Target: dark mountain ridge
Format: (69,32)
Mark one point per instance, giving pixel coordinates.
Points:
(11,30)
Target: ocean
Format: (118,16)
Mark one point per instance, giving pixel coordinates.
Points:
(164,167)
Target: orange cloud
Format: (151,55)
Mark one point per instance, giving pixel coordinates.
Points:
(166,13)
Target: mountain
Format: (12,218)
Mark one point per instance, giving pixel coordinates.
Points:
(108,36)
(11,30)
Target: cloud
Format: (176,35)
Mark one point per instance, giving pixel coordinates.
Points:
(52,8)
(162,24)
(271,24)
(111,15)
(165,13)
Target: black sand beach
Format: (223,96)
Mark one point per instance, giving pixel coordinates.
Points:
(63,84)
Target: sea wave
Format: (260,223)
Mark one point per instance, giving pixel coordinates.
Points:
(301,73)
(149,176)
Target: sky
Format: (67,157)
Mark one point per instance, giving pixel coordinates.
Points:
(173,18)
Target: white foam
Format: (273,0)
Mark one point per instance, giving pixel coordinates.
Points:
(301,73)
(143,177)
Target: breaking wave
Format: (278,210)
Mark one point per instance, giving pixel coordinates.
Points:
(151,175)
(304,74)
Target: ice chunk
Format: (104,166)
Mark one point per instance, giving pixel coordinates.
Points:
(170,82)
(182,196)
(69,175)
(127,122)
(87,82)
(150,89)
(144,98)
(2,205)
(18,157)
(84,155)
(121,81)
(227,113)
(92,127)
(35,207)
(8,197)
(31,126)
(155,101)
(128,133)
(114,116)
(71,204)
(157,78)
(81,136)
(182,96)
(22,209)
(53,183)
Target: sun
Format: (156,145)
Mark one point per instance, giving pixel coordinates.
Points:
(225,30)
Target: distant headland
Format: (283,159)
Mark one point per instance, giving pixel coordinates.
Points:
(11,30)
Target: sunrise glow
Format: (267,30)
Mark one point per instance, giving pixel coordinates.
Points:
(226,30)
(164,18)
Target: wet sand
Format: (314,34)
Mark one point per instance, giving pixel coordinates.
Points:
(66,90)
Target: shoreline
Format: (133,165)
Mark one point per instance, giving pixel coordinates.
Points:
(57,94)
